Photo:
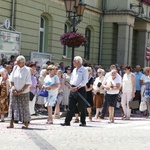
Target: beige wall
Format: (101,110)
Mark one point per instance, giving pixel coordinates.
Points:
(27,18)
(5,10)
(119,4)
(94,3)
(109,51)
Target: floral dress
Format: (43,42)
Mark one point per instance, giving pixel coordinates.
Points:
(3,98)
(52,94)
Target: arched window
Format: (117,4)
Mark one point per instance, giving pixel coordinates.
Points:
(66,50)
(87,46)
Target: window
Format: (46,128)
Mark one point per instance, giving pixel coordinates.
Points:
(87,46)
(66,50)
(42,35)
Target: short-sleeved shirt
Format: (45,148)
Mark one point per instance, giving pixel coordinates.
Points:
(79,77)
(20,77)
(137,78)
(114,83)
(144,78)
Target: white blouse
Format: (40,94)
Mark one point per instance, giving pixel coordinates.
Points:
(20,77)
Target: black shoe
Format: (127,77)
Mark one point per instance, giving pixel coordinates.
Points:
(65,124)
(82,125)
(16,121)
(101,116)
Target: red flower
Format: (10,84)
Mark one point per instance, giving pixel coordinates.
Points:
(146,1)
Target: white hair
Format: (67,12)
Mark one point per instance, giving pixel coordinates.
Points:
(113,70)
(44,66)
(101,70)
(42,72)
(79,59)
(144,69)
(21,58)
(3,71)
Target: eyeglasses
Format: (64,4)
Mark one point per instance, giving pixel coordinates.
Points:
(68,69)
(50,69)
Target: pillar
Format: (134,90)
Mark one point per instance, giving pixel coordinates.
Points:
(141,50)
(124,47)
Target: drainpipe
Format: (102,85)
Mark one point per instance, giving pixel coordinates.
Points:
(12,13)
(101,32)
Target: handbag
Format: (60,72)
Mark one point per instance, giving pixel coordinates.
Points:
(134,104)
(31,96)
(43,93)
(143,106)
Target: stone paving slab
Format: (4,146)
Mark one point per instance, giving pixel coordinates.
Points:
(97,135)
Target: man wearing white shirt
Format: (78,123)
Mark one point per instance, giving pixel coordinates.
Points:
(78,81)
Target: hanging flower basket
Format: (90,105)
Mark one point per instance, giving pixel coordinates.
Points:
(145,1)
(72,39)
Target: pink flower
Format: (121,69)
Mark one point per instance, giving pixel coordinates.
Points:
(72,39)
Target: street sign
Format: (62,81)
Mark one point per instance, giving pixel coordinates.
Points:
(7,23)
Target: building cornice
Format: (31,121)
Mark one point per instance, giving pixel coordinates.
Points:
(127,12)
(93,9)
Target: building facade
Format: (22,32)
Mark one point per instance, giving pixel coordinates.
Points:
(117,30)
(42,22)
(126,32)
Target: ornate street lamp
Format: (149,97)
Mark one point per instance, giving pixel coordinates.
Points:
(140,6)
(74,12)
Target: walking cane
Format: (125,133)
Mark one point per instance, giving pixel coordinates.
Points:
(79,94)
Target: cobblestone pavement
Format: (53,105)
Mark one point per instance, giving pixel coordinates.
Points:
(97,135)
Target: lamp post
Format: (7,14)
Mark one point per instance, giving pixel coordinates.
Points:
(140,6)
(74,12)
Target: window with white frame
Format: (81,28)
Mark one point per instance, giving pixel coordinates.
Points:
(42,34)
(66,50)
(87,46)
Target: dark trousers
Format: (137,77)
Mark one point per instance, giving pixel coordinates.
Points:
(73,101)
(137,97)
(105,105)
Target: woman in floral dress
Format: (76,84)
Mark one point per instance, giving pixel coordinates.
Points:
(4,85)
(51,83)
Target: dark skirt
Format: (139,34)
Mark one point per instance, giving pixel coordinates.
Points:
(90,97)
(112,99)
(19,107)
(98,100)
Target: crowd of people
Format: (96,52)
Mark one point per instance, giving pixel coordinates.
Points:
(103,89)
